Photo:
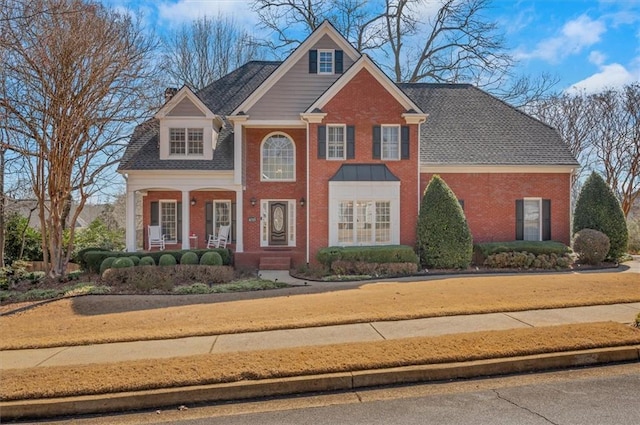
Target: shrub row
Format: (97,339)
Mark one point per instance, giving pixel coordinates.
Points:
(162,280)
(368,254)
(92,259)
(527,260)
(532,247)
(341,267)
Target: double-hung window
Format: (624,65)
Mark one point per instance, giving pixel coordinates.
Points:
(336,141)
(186,141)
(325,61)
(532,219)
(390,143)
(221,214)
(169,220)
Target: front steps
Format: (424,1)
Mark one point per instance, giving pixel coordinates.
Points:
(275,263)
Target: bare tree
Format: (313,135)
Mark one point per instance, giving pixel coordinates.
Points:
(413,41)
(198,53)
(75,77)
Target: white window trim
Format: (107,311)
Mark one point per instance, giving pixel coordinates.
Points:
(175,206)
(333,61)
(277,133)
(344,142)
(524,221)
(374,222)
(213,219)
(186,153)
(382,156)
(186,123)
(264,221)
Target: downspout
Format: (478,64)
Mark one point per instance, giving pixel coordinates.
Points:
(307,195)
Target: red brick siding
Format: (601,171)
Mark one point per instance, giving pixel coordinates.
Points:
(363,103)
(489,201)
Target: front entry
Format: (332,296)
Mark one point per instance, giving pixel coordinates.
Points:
(278,223)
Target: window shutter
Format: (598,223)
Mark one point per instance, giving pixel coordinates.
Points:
(377,137)
(313,61)
(351,142)
(546,219)
(404,142)
(155,214)
(179,221)
(519,219)
(232,237)
(208,219)
(338,61)
(322,141)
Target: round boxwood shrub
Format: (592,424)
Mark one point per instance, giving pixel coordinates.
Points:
(591,246)
(167,260)
(122,262)
(135,259)
(147,261)
(598,208)
(189,258)
(106,264)
(211,258)
(444,239)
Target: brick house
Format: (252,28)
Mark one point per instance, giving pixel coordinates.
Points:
(324,149)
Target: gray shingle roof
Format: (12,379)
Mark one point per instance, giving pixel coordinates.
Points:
(468,126)
(221,97)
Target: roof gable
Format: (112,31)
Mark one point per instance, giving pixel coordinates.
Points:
(185,104)
(325,29)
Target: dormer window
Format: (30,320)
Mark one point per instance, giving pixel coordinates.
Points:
(186,141)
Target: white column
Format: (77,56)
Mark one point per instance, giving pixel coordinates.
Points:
(130,222)
(239,221)
(186,221)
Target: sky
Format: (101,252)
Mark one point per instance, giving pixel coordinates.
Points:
(589,45)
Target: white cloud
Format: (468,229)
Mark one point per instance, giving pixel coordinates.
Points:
(610,76)
(575,36)
(187,10)
(597,58)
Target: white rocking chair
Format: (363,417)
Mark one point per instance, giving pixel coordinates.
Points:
(156,238)
(219,240)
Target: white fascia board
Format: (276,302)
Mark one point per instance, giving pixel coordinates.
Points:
(495,169)
(365,62)
(274,123)
(185,92)
(180,180)
(324,29)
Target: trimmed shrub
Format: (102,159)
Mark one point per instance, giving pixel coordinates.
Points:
(122,263)
(147,261)
(368,254)
(211,259)
(189,258)
(135,259)
(598,208)
(106,264)
(444,239)
(342,267)
(167,260)
(527,260)
(79,257)
(533,247)
(95,258)
(162,280)
(591,246)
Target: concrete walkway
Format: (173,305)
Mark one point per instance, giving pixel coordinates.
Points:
(361,332)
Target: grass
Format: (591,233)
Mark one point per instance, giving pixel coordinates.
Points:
(60,381)
(38,294)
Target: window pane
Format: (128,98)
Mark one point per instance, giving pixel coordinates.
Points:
(383,222)
(278,162)
(176,141)
(168,220)
(365,211)
(345,222)
(390,142)
(325,62)
(195,141)
(335,142)
(531,220)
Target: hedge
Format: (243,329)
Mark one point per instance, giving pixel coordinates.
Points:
(368,254)
(94,258)
(533,247)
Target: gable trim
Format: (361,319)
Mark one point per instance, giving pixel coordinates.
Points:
(324,29)
(186,93)
(365,62)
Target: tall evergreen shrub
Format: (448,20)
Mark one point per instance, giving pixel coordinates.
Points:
(598,208)
(444,240)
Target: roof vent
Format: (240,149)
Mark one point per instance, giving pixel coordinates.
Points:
(169,93)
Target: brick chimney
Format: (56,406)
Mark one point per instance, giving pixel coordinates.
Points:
(169,93)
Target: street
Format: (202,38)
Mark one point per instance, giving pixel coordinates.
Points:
(602,395)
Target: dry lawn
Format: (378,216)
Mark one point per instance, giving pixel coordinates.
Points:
(44,382)
(99,319)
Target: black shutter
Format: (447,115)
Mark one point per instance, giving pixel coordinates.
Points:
(179,221)
(233,222)
(377,137)
(322,141)
(519,219)
(313,61)
(546,219)
(404,142)
(208,219)
(338,60)
(351,142)
(155,214)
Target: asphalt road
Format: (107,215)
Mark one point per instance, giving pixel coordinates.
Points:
(604,396)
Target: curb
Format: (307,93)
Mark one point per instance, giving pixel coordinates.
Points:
(345,381)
